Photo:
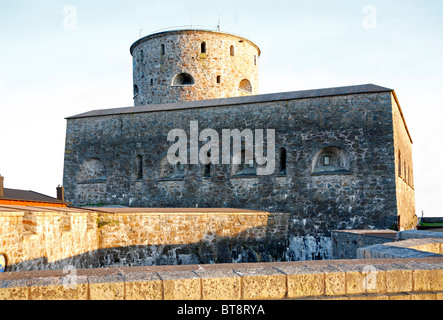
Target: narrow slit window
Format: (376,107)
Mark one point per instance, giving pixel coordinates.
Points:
(163,49)
(203,47)
(399,163)
(139,167)
(207,171)
(282,161)
(218,79)
(232,51)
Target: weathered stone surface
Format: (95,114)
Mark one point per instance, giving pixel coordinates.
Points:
(14,289)
(106,287)
(398,278)
(335,281)
(143,286)
(181,285)
(304,281)
(262,283)
(59,288)
(215,72)
(220,284)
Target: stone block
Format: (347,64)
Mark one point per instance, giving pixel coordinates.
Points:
(428,278)
(335,281)
(362,279)
(304,281)
(14,289)
(180,285)
(58,288)
(143,286)
(223,284)
(262,283)
(106,287)
(398,278)
(423,296)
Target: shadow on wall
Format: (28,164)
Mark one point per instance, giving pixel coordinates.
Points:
(212,249)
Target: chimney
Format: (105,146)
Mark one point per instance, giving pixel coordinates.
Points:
(2,190)
(61,193)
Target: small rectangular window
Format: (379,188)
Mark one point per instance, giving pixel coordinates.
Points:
(218,79)
(326,160)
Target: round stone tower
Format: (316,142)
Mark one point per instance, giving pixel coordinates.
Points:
(187,65)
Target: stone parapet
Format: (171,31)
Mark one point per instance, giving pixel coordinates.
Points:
(380,279)
(38,238)
(412,248)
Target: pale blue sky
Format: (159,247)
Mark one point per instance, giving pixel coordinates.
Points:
(49,72)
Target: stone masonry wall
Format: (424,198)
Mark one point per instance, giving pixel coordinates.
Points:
(364,196)
(154,70)
(404,171)
(48,239)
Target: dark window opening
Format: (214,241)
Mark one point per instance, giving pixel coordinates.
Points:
(282,167)
(136,92)
(203,47)
(218,79)
(232,51)
(163,50)
(139,167)
(183,79)
(207,170)
(152,82)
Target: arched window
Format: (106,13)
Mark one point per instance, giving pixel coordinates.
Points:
(203,47)
(182,79)
(232,51)
(139,167)
(331,160)
(171,171)
(245,168)
(282,161)
(245,85)
(92,171)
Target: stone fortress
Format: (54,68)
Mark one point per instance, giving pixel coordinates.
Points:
(343,155)
(343,177)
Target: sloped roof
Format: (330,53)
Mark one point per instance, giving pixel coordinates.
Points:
(260,98)
(23,195)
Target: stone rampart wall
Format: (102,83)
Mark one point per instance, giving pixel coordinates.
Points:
(46,239)
(346,242)
(398,279)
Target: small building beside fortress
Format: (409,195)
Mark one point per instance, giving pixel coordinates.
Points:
(343,155)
